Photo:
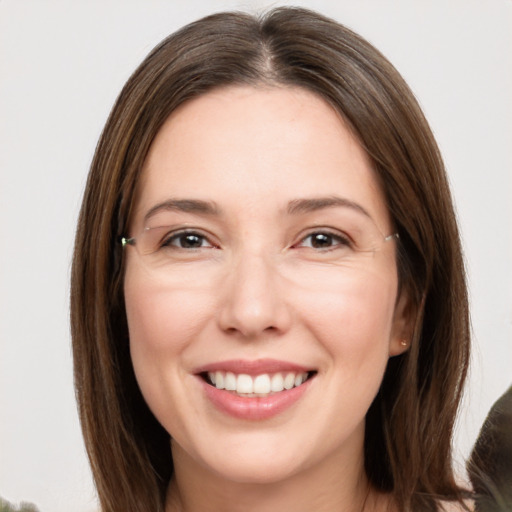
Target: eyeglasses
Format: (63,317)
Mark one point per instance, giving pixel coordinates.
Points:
(352,241)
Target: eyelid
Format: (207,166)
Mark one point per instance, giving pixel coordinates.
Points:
(336,234)
(172,235)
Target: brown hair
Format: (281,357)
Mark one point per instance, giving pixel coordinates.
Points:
(409,425)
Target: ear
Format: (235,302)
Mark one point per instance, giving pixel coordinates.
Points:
(403,326)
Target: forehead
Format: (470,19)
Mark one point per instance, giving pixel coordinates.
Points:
(253,146)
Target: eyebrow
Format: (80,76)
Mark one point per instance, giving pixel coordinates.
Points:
(298,206)
(295,207)
(184,205)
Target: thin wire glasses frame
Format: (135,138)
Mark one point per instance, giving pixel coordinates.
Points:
(174,234)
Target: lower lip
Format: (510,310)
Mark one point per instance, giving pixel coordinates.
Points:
(254,408)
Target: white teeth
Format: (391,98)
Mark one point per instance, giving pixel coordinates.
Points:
(277,383)
(230,381)
(219,380)
(259,385)
(289,381)
(244,384)
(262,384)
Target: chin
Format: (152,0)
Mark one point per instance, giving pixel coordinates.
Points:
(251,472)
(248,459)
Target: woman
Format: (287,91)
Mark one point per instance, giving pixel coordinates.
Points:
(268,295)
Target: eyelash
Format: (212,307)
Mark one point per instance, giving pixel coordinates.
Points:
(172,237)
(336,238)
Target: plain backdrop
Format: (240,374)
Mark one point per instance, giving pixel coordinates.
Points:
(62,65)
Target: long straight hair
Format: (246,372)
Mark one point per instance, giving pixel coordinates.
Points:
(409,425)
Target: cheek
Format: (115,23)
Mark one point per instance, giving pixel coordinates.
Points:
(149,318)
(162,324)
(353,320)
(162,318)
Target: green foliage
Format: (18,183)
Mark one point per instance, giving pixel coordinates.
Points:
(5,506)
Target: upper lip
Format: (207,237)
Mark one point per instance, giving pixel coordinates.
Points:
(252,367)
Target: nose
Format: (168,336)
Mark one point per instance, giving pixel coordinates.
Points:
(253,299)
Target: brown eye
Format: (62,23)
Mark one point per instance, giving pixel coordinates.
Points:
(187,241)
(323,240)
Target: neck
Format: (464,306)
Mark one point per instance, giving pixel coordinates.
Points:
(326,487)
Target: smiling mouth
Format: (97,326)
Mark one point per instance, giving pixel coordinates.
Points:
(260,386)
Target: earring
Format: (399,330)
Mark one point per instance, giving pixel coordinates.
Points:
(404,343)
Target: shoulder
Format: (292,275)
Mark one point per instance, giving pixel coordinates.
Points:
(453,506)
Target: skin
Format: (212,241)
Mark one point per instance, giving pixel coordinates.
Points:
(257,289)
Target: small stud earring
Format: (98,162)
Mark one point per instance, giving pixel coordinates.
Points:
(404,343)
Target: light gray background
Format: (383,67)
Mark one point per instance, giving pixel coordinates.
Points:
(62,64)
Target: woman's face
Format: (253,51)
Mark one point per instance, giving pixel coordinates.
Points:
(264,270)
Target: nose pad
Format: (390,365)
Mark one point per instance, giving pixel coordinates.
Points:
(252,300)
